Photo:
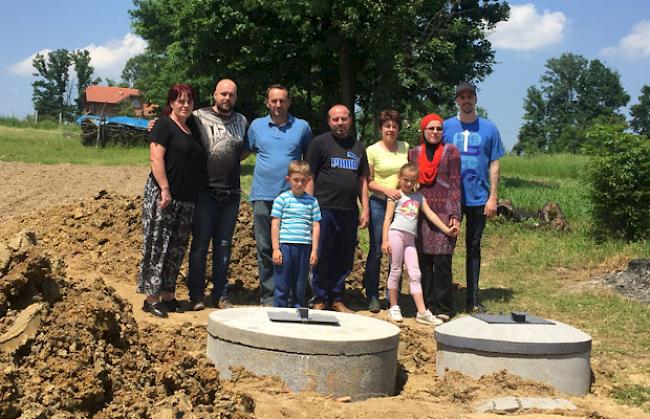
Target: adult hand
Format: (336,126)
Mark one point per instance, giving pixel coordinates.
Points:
(490,207)
(165,197)
(454,223)
(277,257)
(363,218)
(151,123)
(393,194)
(313,259)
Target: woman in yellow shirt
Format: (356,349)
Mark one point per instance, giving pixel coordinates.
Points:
(385,157)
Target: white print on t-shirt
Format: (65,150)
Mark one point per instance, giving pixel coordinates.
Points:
(351,163)
(466,139)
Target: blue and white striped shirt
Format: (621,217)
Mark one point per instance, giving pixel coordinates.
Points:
(296,214)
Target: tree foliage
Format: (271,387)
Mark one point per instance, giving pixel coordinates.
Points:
(84,70)
(573,92)
(51,95)
(52,90)
(640,113)
(374,54)
(619,178)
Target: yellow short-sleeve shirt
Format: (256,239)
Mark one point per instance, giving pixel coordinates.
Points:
(386,164)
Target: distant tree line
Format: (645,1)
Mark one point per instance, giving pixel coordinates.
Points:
(575,94)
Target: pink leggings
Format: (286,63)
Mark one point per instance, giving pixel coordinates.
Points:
(402,250)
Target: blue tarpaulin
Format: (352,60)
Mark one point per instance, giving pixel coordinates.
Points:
(139,123)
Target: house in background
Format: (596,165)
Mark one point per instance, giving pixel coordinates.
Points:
(107,101)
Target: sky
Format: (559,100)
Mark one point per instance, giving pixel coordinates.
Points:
(616,33)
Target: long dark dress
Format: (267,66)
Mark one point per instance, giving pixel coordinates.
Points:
(435,249)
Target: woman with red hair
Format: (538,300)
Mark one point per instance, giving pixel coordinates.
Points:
(177,173)
(439,178)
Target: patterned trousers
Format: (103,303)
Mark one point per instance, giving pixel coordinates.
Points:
(166,232)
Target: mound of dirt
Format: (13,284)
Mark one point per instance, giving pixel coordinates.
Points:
(82,353)
(104,234)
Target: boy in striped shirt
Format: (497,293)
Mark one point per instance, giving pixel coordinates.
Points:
(295,230)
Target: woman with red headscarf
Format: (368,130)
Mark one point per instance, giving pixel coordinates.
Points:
(439,179)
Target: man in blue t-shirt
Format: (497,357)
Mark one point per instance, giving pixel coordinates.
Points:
(276,139)
(480,147)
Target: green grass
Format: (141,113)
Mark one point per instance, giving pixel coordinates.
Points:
(51,146)
(634,395)
(545,166)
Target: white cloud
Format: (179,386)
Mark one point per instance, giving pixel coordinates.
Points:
(527,30)
(108,59)
(635,45)
(24,67)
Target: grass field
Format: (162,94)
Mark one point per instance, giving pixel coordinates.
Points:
(50,146)
(544,272)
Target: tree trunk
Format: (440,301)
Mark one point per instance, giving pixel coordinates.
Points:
(347,80)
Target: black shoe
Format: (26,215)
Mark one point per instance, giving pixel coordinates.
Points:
(173,306)
(196,305)
(157,309)
(374,306)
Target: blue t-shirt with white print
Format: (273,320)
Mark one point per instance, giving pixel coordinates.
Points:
(479,143)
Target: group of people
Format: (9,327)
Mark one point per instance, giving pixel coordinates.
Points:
(309,197)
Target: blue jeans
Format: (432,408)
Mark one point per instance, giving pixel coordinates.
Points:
(213,220)
(373,261)
(262,230)
(291,276)
(338,239)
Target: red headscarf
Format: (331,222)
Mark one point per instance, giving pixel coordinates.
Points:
(428,168)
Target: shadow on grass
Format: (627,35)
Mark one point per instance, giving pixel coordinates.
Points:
(517,182)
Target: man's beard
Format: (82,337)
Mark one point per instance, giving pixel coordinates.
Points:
(223,110)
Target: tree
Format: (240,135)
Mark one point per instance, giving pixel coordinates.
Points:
(640,113)
(367,54)
(135,71)
(573,92)
(51,94)
(84,70)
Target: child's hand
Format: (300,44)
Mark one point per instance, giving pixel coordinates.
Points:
(385,247)
(313,258)
(452,231)
(277,257)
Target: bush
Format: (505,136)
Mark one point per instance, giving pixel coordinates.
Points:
(619,178)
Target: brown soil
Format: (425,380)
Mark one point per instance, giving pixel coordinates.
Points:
(93,352)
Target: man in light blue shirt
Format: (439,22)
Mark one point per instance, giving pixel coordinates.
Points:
(480,146)
(276,139)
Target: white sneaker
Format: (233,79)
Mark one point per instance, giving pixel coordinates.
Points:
(428,318)
(395,314)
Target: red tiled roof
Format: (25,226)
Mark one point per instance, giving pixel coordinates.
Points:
(106,94)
